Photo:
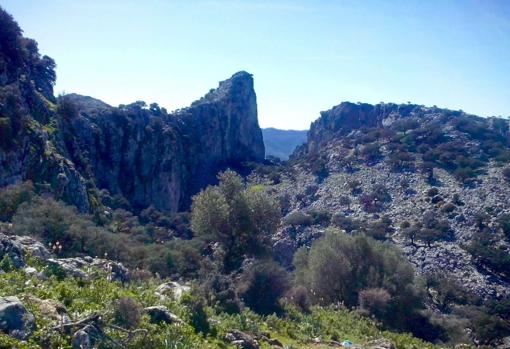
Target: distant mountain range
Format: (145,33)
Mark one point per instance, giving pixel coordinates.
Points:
(281,143)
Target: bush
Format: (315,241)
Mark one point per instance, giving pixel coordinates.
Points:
(220,292)
(487,255)
(127,313)
(12,197)
(504,224)
(320,216)
(298,219)
(299,296)
(380,229)
(262,286)
(371,152)
(338,267)
(53,221)
(196,312)
(343,222)
(374,301)
(432,229)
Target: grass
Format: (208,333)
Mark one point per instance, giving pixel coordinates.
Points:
(81,298)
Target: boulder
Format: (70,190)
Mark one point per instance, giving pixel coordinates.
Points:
(82,267)
(504,344)
(86,338)
(160,313)
(15,320)
(381,344)
(51,309)
(12,250)
(241,340)
(171,289)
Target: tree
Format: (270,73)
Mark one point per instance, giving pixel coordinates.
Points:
(241,219)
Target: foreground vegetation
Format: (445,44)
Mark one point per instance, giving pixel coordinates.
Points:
(99,295)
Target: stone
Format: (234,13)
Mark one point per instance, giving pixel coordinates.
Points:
(86,338)
(381,344)
(160,313)
(171,289)
(51,309)
(241,340)
(15,320)
(82,267)
(504,343)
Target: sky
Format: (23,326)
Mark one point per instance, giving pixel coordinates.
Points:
(305,56)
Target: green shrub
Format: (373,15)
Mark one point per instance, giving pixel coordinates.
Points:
(196,312)
(127,313)
(320,216)
(338,267)
(343,222)
(11,197)
(299,219)
(262,286)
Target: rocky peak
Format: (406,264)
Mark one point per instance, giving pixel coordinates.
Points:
(150,157)
(347,116)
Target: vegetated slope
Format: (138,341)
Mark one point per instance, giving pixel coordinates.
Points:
(281,143)
(433,181)
(77,145)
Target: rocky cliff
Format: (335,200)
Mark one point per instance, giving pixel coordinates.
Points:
(78,145)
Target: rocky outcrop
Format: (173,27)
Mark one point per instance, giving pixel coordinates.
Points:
(18,248)
(136,152)
(150,157)
(347,117)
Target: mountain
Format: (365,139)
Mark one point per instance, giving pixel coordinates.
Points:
(281,143)
(78,146)
(434,182)
(390,223)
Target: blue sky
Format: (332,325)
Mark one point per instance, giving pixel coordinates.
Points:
(306,56)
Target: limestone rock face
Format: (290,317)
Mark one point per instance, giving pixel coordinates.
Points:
(347,117)
(153,158)
(137,153)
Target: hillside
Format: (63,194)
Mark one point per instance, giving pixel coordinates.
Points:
(281,143)
(432,181)
(127,227)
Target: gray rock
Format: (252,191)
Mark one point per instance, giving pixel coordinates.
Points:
(160,313)
(504,344)
(381,344)
(171,289)
(15,320)
(86,338)
(82,267)
(241,340)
